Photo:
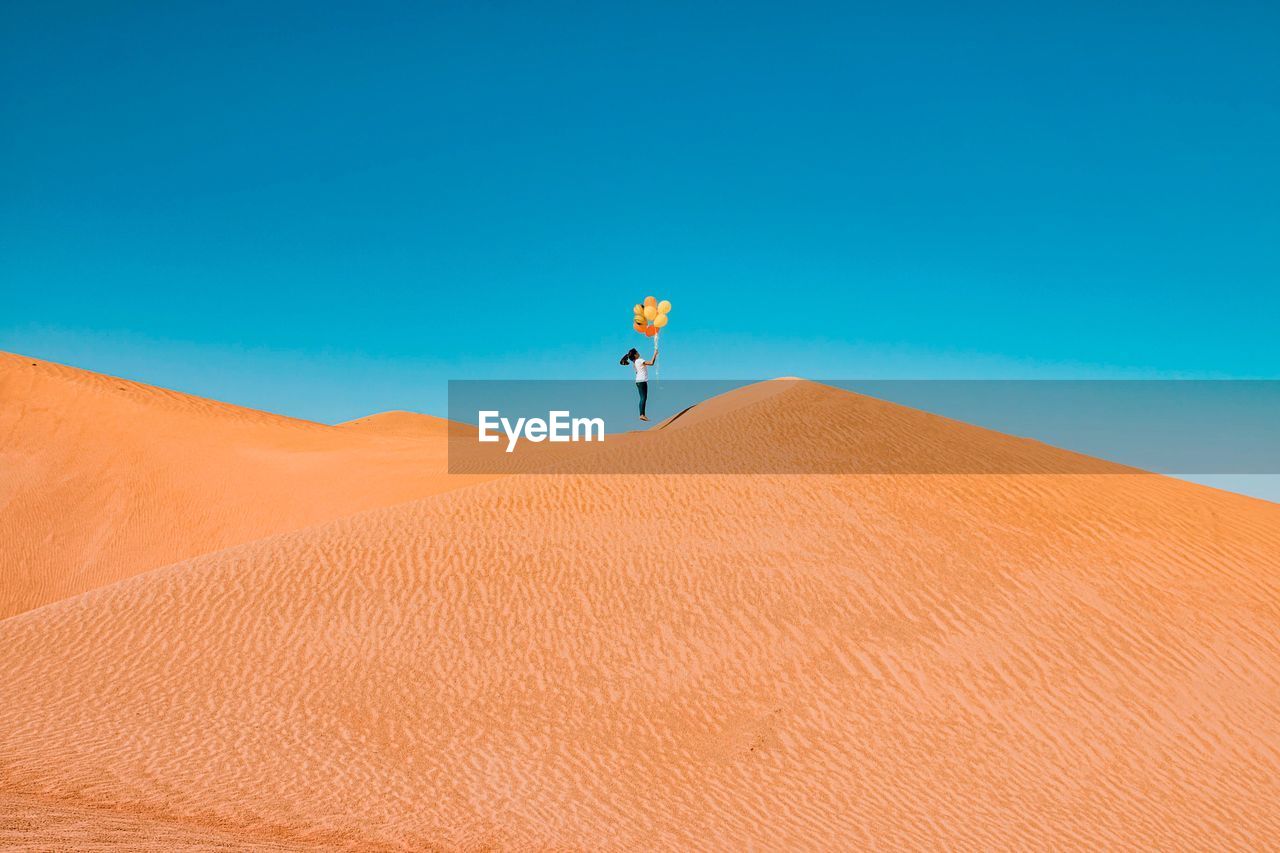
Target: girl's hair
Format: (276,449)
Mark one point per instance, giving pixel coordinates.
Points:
(630,357)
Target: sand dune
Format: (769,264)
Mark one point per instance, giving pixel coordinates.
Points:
(407,424)
(702,662)
(102,478)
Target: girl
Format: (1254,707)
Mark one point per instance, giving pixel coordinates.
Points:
(642,374)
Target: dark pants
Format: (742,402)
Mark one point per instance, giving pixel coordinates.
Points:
(643,388)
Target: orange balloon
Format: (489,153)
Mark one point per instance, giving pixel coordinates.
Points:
(650,331)
(650,302)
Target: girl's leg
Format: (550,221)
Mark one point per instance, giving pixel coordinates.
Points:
(643,388)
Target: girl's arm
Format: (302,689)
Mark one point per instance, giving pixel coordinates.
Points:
(652,360)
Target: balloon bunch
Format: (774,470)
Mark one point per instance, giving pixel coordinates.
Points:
(651,315)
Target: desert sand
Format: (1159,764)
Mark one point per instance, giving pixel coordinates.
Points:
(102,478)
(619,661)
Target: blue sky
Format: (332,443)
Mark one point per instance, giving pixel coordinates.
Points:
(330,209)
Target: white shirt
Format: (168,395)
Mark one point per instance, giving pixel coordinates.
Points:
(642,370)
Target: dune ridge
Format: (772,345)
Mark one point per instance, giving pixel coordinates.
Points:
(103,478)
(701,662)
(401,423)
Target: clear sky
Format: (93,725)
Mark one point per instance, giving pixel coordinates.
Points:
(329,209)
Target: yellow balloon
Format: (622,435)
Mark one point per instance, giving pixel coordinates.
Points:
(650,302)
(639,309)
(664,306)
(660,320)
(639,318)
(650,312)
